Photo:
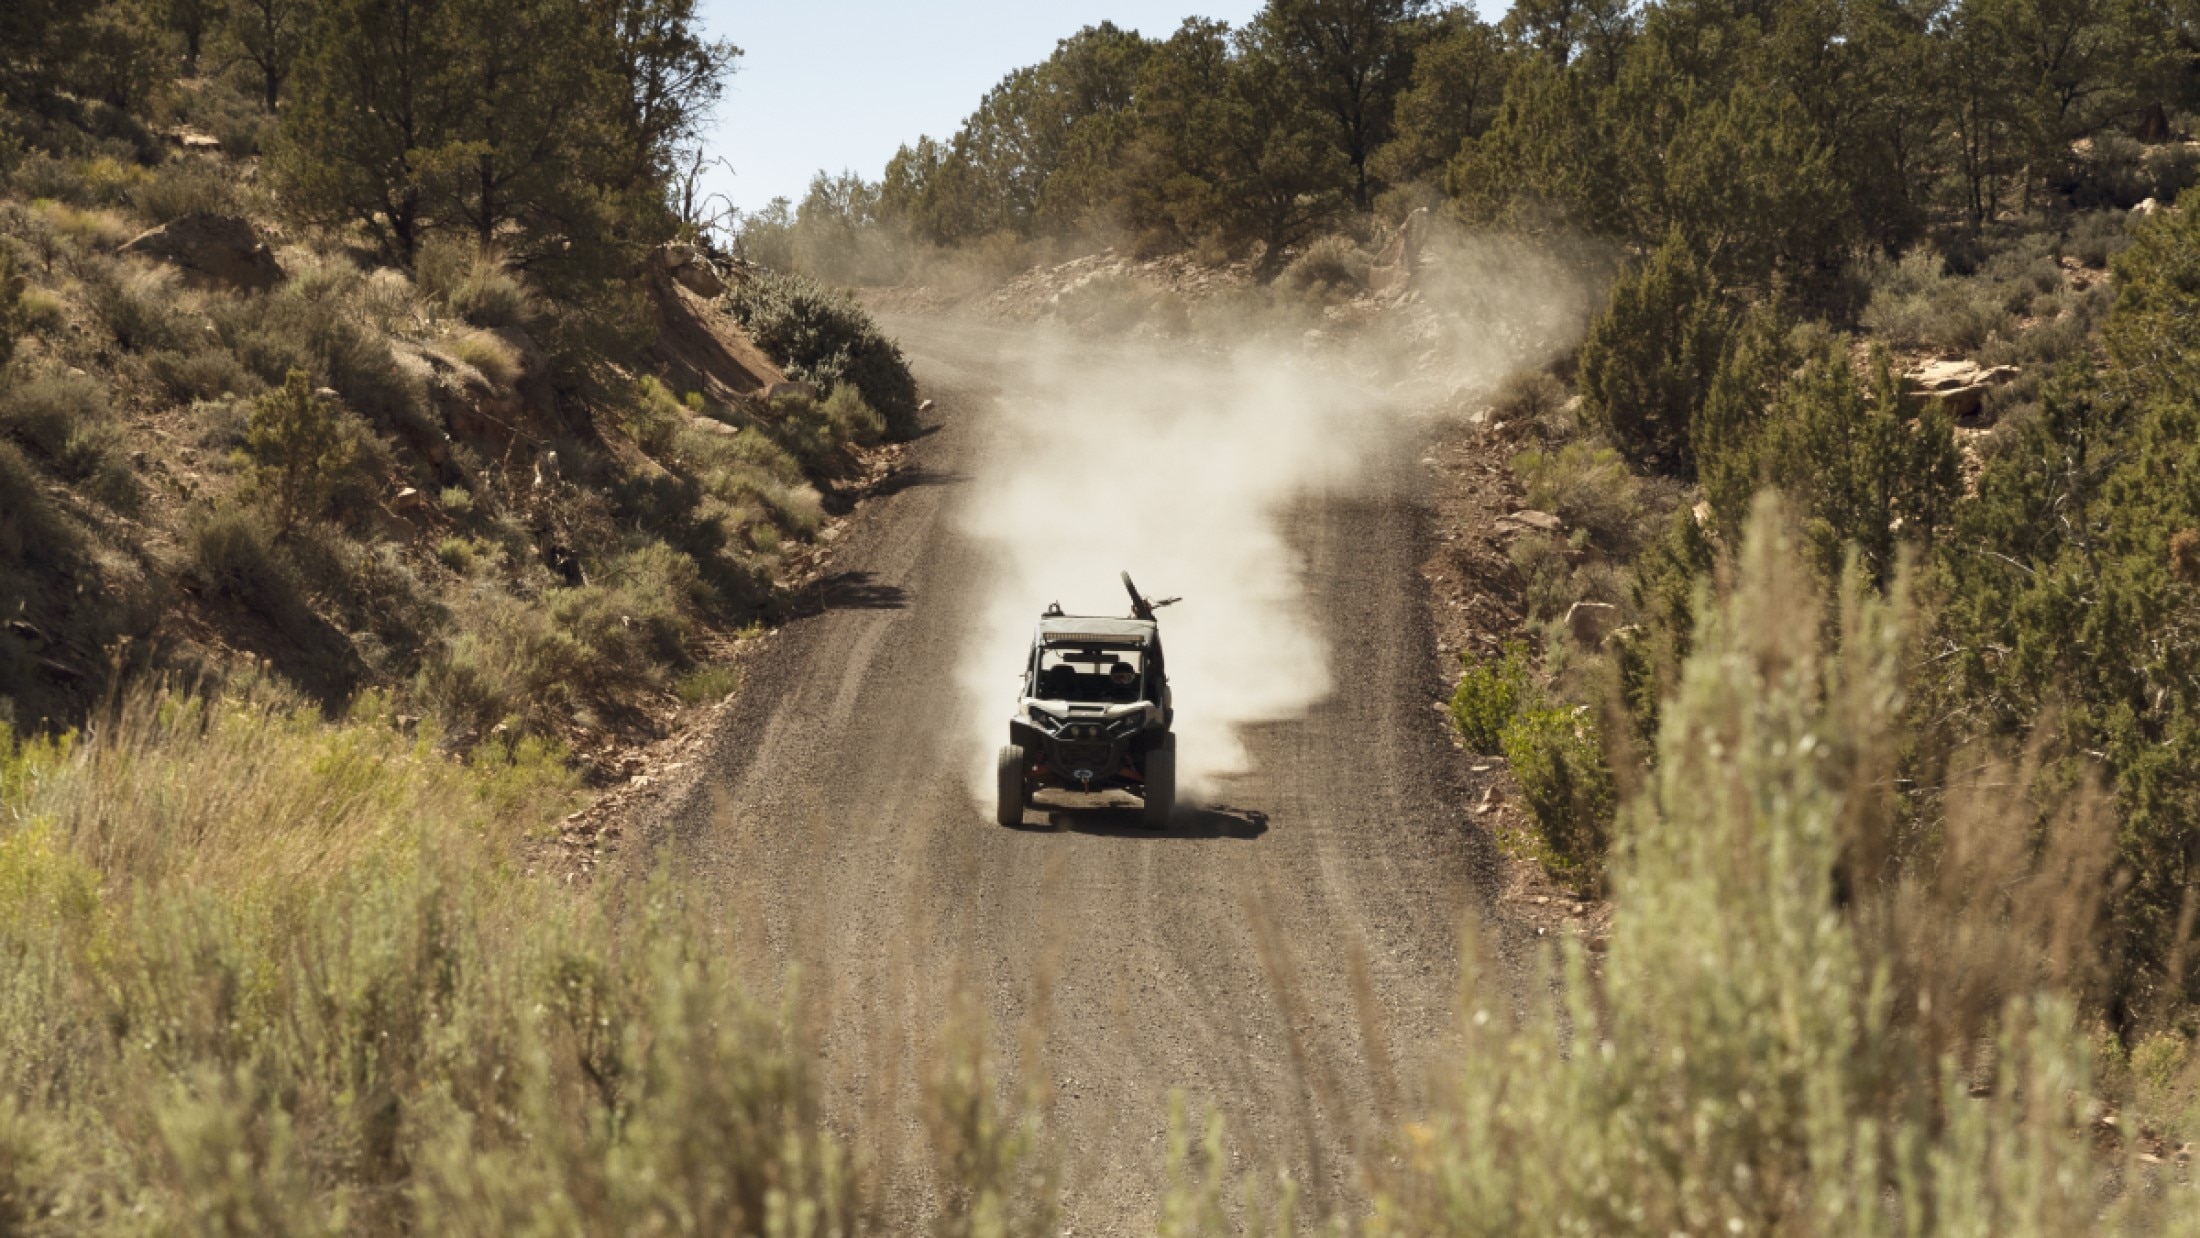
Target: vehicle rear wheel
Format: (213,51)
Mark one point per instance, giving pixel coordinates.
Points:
(1161,782)
(1011,808)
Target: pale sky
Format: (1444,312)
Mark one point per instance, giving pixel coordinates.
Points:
(842,83)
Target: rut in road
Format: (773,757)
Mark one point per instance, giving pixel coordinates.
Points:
(1285,953)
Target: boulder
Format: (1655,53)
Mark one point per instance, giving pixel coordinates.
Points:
(1541,521)
(1962,403)
(2147,207)
(187,138)
(217,250)
(1959,387)
(691,270)
(702,279)
(789,390)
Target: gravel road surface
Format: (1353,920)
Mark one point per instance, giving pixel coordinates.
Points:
(1286,953)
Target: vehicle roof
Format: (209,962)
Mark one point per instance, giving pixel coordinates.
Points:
(1075,629)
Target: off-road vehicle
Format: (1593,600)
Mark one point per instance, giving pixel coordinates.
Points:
(1094,713)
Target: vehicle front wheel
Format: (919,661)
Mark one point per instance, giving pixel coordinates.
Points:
(1011,808)
(1161,783)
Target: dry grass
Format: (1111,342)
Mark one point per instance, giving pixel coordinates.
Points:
(491,357)
(88,228)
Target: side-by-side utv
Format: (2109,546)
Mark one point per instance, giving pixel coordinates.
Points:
(1094,714)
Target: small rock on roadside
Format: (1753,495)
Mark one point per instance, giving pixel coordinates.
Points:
(1543,522)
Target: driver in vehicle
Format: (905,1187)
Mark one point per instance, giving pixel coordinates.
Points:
(1122,683)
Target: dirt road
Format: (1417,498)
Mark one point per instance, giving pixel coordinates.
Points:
(1286,953)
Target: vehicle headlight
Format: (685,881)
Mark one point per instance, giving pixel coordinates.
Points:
(1128,724)
(1043,720)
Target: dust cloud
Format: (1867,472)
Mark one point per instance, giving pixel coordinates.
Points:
(1178,461)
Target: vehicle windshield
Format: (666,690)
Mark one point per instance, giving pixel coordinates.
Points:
(1089,675)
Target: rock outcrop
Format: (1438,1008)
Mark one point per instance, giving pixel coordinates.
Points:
(1959,387)
(694,272)
(212,251)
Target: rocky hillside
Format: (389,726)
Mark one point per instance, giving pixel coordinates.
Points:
(232,445)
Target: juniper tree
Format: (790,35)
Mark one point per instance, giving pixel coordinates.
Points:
(298,448)
(1348,59)
(1649,357)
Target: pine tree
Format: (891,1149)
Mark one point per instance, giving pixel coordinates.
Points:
(299,451)
(1348,59)
(1452,96)
(1227,148)
(379,97)
(1864,474)
(1753,188)
(270,34)
(1649,358)
(516,172)
(1727,433)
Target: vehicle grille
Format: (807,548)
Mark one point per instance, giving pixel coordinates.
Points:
(1085,756)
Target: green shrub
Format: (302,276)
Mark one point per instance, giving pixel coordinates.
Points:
(232,117)
(49,412)
(1650,355)
(232,552)
(491,357)
(707,684)
(320,322)
(1866,474)
(653,417)
(200,374)
(1531,397)
(14,319)
(1545,566)
(2025,277)
(1915,303)
(1332,268)
(2095,237)
(1488,697)
(473,286)
(1586,485)
(826,338)
(137,306)
(42,311)
(304,452)
(1558,760)
(32,533)
(183,187)
(93,230)
(581,655)
(853,421)
(464,555)
(322,997)
(1766,1042)
(1761,356)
